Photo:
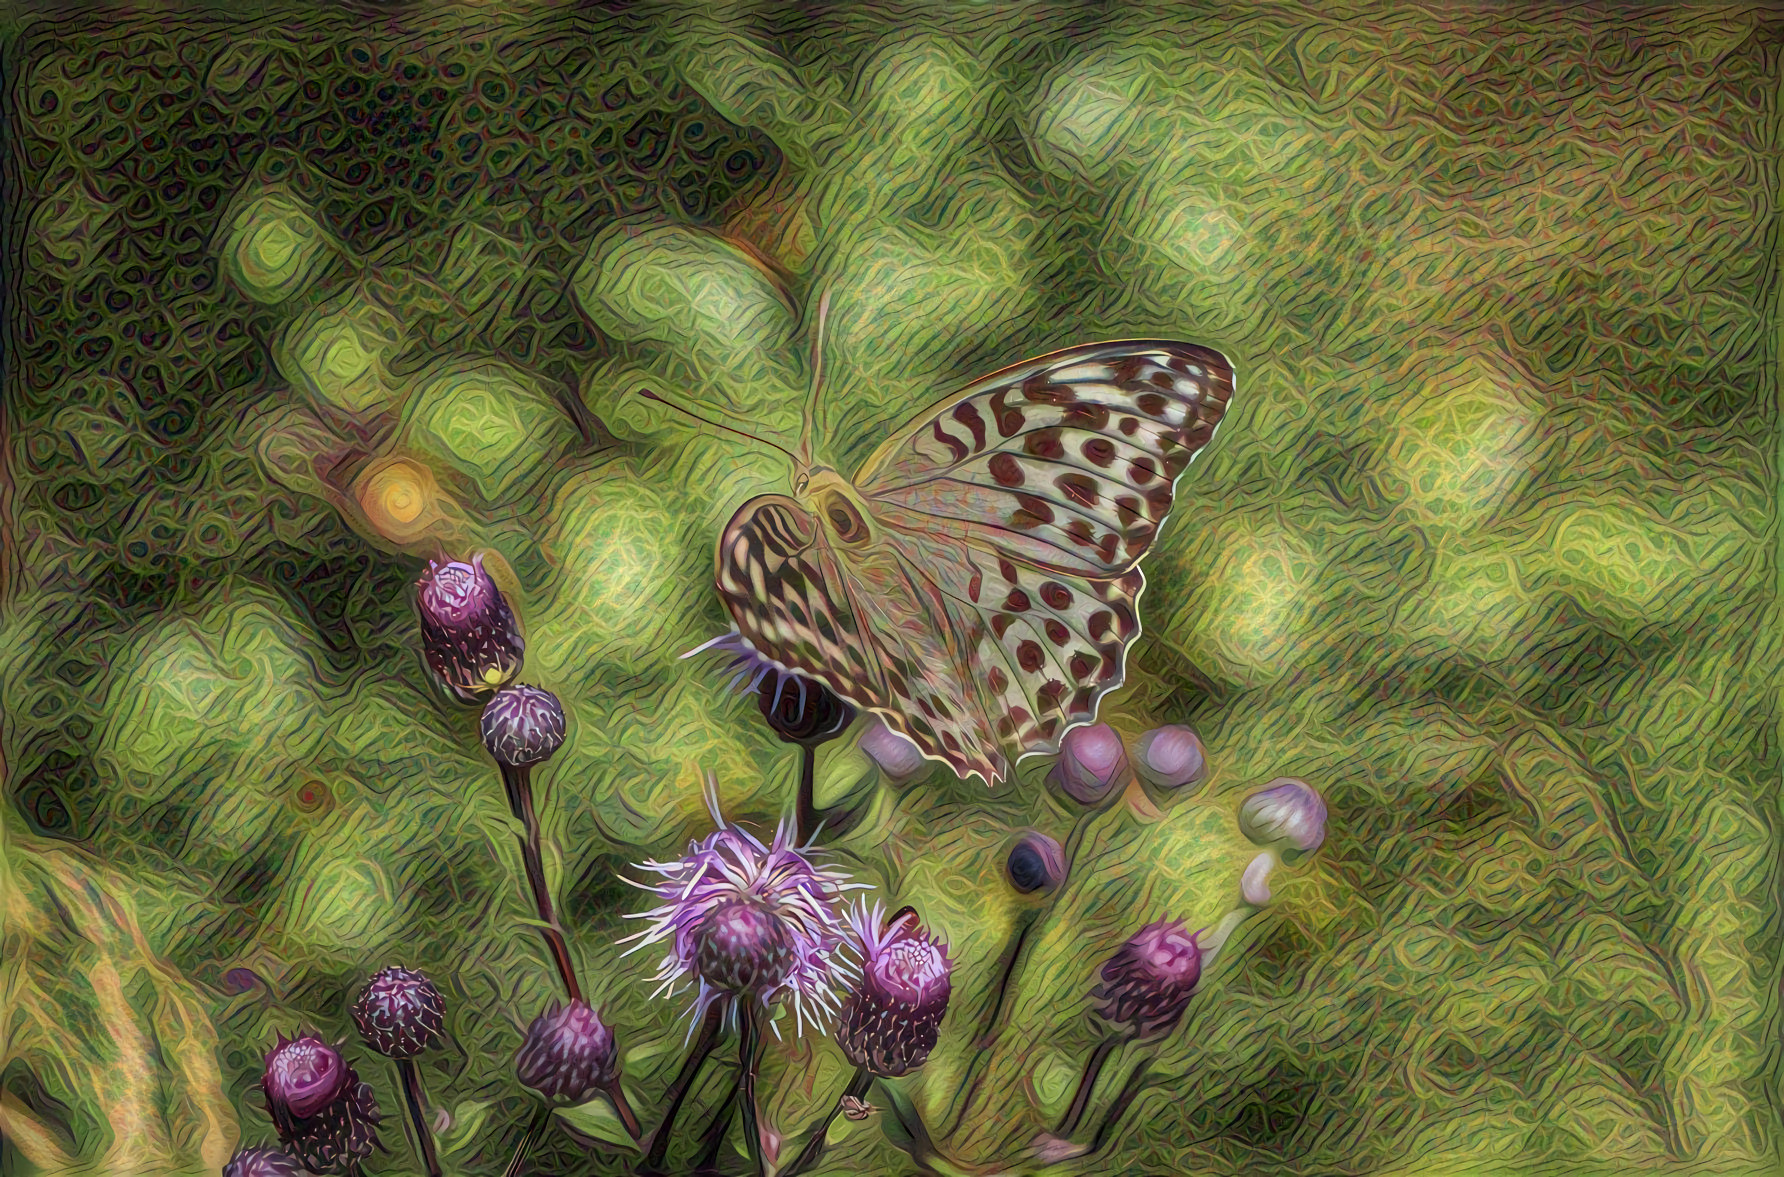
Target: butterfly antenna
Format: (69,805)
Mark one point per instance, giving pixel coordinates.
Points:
(817,376)
(647,394)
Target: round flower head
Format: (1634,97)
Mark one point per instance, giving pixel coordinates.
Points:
(522,725)
(1035,863)
(1148,982)
(324,1115)
(399,1013)
(262,1162)
(1091,762)
(568,1053)
(469,637)
(890,1021)
(749,920)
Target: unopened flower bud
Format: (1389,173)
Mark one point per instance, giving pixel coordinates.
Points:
(399,1013)
(323,1113)
(1254,884)
(897,756)
(523,725)
(1036,863)
(1091,762)
(1147,983)
(568,1054)
(1285,811)
(1169,757)
(469,636)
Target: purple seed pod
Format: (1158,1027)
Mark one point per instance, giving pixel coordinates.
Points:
(568,1053)
(1285,811)
(1091,762)
(261,1161)
(890,1021)
(399,1013)
(324,1115)
(1147,983)
(469,636)
(1035,863)
(523,725)
(1169,757)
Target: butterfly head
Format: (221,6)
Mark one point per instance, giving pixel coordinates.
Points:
(833,499)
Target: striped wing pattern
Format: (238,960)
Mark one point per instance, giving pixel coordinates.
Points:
(996,603)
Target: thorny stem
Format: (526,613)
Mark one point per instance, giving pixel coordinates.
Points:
(814,1147)
(678,1090)
(424,1139)
(518,782)
(1093,1069)
(541,1118)
(748,1047)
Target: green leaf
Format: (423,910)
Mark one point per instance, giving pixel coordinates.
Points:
(597,1118)
(467,1119)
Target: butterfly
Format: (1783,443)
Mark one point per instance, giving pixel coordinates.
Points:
(976,584)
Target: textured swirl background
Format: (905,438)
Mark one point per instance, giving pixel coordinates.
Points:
(1486,550)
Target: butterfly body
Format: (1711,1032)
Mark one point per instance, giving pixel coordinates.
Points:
(977,583)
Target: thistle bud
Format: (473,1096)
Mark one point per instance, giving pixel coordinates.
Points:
(897,756)
(469,637)
(1036,863)
(262,1162)
(1169,757)
(522,725)
(1147,983)
(324,1115)
(1254,884)
(743,947)
(1091,762)
(568,1053)
(890,1022)
(802,710)
(399,1013)
(1285,811)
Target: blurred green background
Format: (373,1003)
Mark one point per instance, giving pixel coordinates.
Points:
(1485,550)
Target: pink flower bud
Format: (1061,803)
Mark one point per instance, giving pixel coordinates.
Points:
(1091,762)
(1170,757)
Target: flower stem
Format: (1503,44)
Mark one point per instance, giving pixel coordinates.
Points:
(541,1118)
(814,1147)
(748,1048)
(678,1090)
(716,1128)
(622,1107)
(410,1075)
(968,1089)
(518,783)
(808,815)
(1130,1090)
(1093,1069)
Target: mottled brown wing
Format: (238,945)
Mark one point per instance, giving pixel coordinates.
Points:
(1024,505)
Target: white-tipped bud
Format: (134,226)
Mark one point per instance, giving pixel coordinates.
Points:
(897,756)
(1254,884)
(1170,757)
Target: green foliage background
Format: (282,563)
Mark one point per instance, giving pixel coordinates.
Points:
(1486,550)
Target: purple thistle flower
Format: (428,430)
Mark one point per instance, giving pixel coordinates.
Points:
(262,1162)
(890,1021)
(469,637)
(324,1114)
(400,1013)
(747,919)
(800,710)
(568,1053)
